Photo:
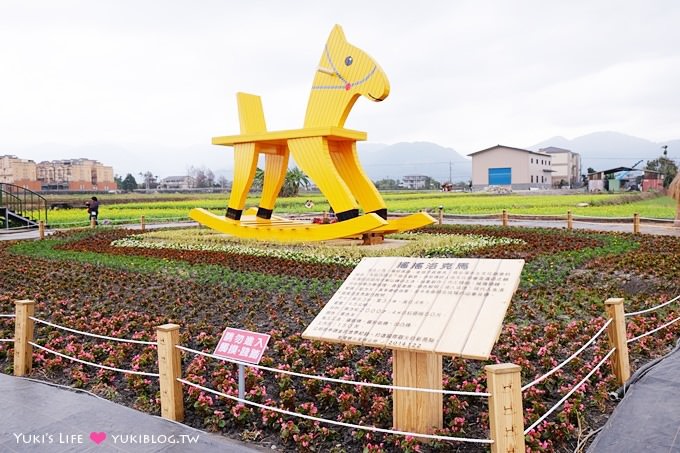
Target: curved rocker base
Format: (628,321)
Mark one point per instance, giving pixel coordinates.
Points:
(410,222)
(284,230)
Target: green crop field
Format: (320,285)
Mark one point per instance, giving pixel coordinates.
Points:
(129,208)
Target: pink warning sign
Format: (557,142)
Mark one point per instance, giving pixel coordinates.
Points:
(242,345)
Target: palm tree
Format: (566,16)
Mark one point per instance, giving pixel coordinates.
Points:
(258,181)
(294,179)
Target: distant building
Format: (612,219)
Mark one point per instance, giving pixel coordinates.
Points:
(414,181)
(652,180)
(178,182)
(566,166)
(75,175)
(612,180)
(625,178)
(517,168)
(20,172)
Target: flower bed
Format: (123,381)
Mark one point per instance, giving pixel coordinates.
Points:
(83,282)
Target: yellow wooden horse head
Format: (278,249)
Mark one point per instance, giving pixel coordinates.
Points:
(344,74)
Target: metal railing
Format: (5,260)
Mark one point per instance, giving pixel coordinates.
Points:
(22,205)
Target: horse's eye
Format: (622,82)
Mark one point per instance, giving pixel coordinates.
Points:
(348,61)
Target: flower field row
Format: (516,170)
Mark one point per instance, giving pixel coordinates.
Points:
(80,280)
(429,245)
(598,205)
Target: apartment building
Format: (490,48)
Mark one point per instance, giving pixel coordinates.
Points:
(566,166)
(20,172)
(75,175)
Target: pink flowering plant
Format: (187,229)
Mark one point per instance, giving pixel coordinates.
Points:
(557,308)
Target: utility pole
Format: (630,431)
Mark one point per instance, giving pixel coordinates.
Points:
(450,180)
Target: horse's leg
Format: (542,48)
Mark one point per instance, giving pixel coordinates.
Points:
(275,167)
(346,161)
(245,163)
(313,157)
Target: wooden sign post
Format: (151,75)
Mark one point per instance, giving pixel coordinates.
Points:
(415,411)
(422,309)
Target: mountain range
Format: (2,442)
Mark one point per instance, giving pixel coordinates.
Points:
(418,158)
(599,150)
(605,150)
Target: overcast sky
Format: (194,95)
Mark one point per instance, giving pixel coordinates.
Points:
(136,76)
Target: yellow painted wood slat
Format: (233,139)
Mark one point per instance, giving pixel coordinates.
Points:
(410,222)
(287,233)
(489,322)
(280,137)
(313,157)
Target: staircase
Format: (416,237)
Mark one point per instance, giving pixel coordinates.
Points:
(20,208)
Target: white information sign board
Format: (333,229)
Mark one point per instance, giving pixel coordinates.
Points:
(449,306)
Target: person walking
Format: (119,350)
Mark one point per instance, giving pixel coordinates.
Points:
(93,209)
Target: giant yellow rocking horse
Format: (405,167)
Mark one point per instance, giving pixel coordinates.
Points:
(323,149)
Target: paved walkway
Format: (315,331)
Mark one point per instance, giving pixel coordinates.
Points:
(665,229)
(648,417)
(35,234)
(37,417)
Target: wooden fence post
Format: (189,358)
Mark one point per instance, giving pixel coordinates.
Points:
(636,223)
(441,215)
(142,224)
(504,218)
(617,339)
(570,221)
(506,417)
(170,368)
(23,333)
(41,229)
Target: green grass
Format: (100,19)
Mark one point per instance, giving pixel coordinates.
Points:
(599,205)
(204,273)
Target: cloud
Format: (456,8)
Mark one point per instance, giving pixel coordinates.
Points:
(464,74)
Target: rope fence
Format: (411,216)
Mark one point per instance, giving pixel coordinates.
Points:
(656,219)
(335,422)
(654,330)
(610,219)
(504,217)
(472,216)
(501,378)
(122,340)
(569,359)
(571,392)
(118,222)
(97,365)
(335,380)
(539,216)
(648,310)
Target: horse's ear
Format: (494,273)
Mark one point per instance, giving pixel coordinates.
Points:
(337,34)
